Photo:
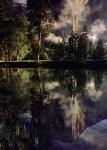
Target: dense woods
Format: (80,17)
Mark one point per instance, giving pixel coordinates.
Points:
(24,28)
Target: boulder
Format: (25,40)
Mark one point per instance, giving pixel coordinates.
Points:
(93,138)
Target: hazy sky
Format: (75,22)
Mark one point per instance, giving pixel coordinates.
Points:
(95,16)
(20,1)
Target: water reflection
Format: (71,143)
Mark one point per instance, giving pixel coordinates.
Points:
(73,113)
(39,105)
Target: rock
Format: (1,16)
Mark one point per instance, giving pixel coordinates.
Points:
(93,138)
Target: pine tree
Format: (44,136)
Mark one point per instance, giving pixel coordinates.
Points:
(83,47)
(100,49)
(73,44)
(98,53)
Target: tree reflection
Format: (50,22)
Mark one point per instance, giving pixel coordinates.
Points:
(77,115)
(98,76)
(74,115)
(77,118)
(39,109)
(30,116)
(12,103)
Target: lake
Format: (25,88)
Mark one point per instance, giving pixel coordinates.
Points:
(41,105)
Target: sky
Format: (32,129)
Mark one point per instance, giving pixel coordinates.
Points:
(20,1)
(94,14)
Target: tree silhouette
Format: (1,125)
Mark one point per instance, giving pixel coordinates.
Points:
(100,48)
(98,53)
(83,46)
(73,45)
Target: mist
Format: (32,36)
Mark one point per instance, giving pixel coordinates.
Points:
(76,14)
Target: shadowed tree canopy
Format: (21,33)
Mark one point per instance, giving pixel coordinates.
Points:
(6,20)
(99,50)
(40,16)
(13,30)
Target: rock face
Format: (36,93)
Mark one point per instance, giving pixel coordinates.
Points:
(93,138)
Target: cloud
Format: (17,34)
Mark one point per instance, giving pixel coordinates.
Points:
(88,12)
(51,85)
(53,38)
(97,29)
(20,1)
(92,92)
(70,10)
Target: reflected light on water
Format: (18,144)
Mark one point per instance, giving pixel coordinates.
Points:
(42,105)
(51,85)
(73,116)
(92,92)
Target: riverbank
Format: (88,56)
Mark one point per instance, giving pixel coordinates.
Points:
(19,64)
(99,64)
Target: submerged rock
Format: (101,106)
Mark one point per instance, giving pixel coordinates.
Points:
(93,138)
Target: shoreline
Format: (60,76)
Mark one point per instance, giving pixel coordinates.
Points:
(92,64)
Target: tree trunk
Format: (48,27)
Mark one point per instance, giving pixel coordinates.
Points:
(40,45)
(38,57)
(9,55)
(17,55)
(40,82)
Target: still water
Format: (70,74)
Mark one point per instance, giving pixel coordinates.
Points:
(41,105)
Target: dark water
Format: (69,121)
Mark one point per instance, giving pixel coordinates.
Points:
(38,106)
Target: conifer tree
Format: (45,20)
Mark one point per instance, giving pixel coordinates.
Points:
(98,53)
(83,47)
(100,48)
(73,45)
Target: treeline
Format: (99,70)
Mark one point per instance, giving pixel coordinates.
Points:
(78,48)
(23,29)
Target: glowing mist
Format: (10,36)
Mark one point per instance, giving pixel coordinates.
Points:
(78,8)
